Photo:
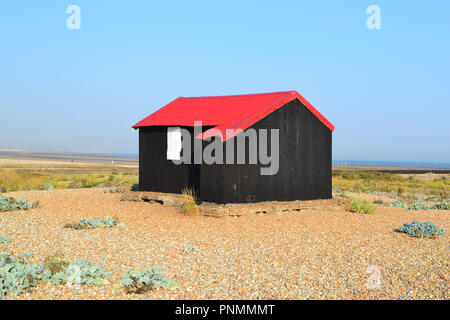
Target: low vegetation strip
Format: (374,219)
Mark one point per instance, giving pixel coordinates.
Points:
(22,180)
(418,205)
(394,184)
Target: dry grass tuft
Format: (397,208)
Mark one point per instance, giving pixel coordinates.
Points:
(189,206)
(55,263)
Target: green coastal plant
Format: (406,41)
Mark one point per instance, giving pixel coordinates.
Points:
(4,240)
(108,222)
(190,250)
(361,206)
(10,204)
(419,205)
(26,255)
(80,271)
(421,229)
(114,190)
(140,281)
(18,276)
(47,186)
(100,185)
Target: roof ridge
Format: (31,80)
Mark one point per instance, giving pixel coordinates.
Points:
(238,95)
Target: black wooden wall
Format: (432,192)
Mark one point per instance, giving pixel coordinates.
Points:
(156,173)
(304,164)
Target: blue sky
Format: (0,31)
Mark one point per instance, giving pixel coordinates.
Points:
(387,91)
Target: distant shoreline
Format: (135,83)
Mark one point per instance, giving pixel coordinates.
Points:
(10,157)
(390,164)
(133,159)
(397,170)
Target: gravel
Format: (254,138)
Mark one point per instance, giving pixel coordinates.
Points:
(310,254)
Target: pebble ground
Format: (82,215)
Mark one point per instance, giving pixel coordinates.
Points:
(312,254)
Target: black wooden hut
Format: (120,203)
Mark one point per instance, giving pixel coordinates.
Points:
(304,148)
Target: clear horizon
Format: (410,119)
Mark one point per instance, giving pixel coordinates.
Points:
(386,91)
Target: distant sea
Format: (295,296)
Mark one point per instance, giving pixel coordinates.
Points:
(127,157)
(399,164)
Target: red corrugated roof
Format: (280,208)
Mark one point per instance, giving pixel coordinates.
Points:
(224,112)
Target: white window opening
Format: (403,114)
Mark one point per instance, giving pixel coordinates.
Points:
(173,143)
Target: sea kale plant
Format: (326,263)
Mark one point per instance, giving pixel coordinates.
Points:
(100,185)
(18,276)
(115,190)
(10,204)
(140,281)
(421,229)
(4,240)
(79,271)
(47,186)
(190,250)
(26,255)
(108,222)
